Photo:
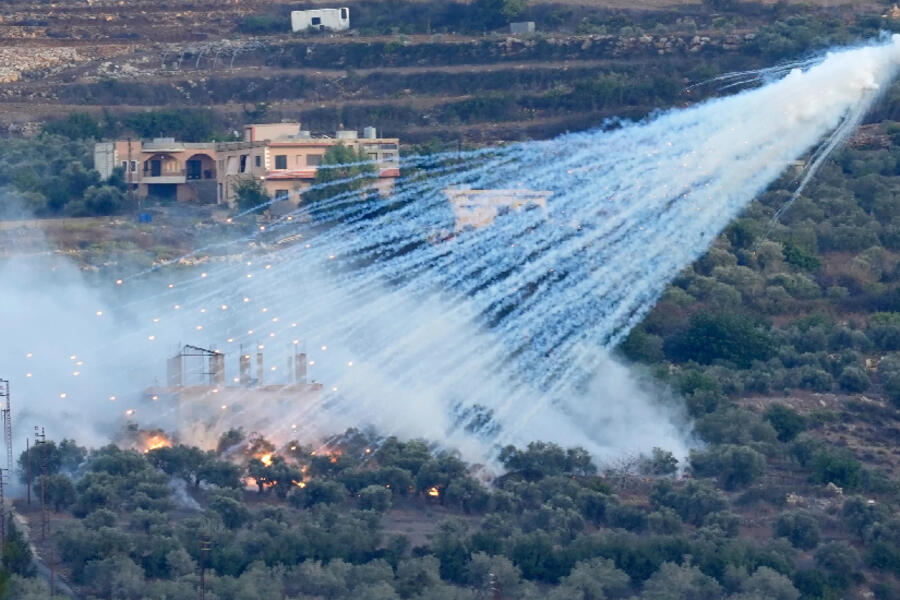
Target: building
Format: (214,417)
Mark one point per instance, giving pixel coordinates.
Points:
(285,159)
(478,208)
(521,27)
(162,168)
(321,19)
(281,155)
(201,402)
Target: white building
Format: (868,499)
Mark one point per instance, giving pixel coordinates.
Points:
(334,19)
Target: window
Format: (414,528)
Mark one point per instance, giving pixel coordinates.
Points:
(134,166)
(389,146)
(316,21)
(343,14)
(388,156)
(281,161)
(372,156)
(314,160)
(243,163)
(281,195)
(124,165)
(257,160)
(220,193)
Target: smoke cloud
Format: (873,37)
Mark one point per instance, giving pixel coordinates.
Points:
(417,327)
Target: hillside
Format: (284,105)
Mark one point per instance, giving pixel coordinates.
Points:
(418,70)
(781,345)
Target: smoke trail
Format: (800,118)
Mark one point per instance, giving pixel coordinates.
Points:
(482,337)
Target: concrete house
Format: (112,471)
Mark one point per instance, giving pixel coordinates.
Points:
(321,19)
(162,168)
(285,158)
(281,155)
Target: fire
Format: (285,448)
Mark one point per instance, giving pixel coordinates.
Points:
(266,459)
(433,492)
(156,441)
(299,484)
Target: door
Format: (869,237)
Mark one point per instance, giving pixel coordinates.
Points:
(194,169)
(155,167)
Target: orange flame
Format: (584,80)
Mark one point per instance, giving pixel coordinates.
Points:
(266,459)
(156,441)
(433,492)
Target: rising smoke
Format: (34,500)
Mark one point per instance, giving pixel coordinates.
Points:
(473,338)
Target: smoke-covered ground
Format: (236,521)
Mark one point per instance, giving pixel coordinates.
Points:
(473,338)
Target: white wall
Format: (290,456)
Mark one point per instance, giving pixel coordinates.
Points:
(105,158)
(335,19)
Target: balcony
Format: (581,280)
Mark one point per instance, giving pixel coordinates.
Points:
(152,176)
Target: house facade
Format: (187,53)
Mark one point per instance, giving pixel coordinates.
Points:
(281,155)
(162,168)
(285,159)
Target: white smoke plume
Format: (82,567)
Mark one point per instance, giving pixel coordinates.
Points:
(474,339)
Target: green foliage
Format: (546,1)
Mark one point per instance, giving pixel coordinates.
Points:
(17,556)
(187,125)
(541,459)
(344,173)
(800,257)
(375,497)
(75,126)
(233,513)
(735,466)
(57,490)
(800,527)
(786,421)
(318,492)
(692,500)
(251,195)
(854,379)
(261,24)
(730,337)
(840,562)
(660,462)
(829,465)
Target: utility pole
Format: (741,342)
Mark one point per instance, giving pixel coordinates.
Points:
(494,587)
(205,545)
(7,434)
(40,441)
(7,422)
(52,571)
(2,506)
(28,471)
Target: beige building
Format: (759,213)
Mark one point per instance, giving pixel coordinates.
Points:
(281,155)
(479,208)
(285,159)
(162,168)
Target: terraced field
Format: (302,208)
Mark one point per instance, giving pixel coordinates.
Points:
(58,57)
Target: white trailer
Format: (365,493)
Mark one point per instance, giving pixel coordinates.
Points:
(333,19)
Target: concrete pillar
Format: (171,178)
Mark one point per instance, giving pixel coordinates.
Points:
(259,369)
(174,374)
(300,368)
(245,369)
(217,369)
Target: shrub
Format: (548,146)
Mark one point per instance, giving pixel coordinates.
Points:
(735,466)
(799,527)
(786,421)
(854,379)
(375,497)
(721,337)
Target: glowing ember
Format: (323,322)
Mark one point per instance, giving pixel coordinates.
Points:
(266,459)
(433,492)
